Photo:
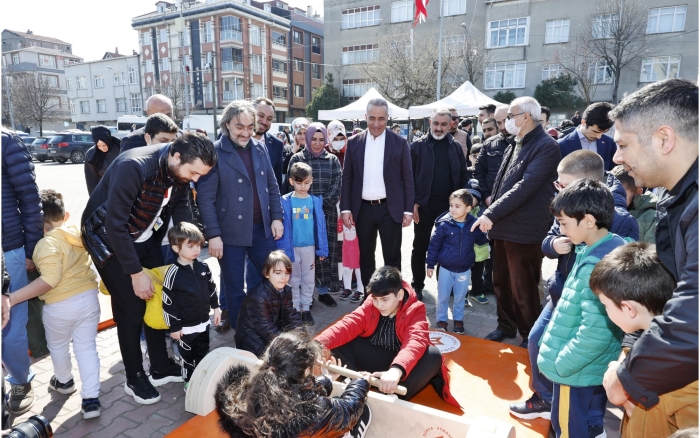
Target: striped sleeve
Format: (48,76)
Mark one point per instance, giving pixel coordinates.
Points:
(170,310)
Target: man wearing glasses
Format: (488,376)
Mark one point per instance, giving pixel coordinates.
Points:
(518,219)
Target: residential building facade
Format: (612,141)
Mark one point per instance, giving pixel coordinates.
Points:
(226,51)
(526,39)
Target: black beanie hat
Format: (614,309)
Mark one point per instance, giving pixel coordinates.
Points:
(101,133)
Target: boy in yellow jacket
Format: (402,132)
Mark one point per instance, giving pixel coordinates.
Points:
(68,287)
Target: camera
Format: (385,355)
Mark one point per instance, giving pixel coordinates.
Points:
(37,426)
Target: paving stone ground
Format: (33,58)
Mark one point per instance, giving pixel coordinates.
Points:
(121,415)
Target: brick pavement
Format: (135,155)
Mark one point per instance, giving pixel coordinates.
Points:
(121,415)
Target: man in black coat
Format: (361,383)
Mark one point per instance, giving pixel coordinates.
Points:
(518,219)
(265,114)
(657,134)
(439,169)
(156,104)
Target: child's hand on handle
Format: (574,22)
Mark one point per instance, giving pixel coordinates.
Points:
(176,335)
(217,316)
(430,273)
(366,375)
(388,380)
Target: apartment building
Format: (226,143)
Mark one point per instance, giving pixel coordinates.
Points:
(524,39)
(228,50)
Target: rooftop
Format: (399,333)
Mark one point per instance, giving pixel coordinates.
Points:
(33,36)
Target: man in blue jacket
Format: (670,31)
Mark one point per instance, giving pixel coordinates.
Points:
(22,227)
(579,164)
(590,134)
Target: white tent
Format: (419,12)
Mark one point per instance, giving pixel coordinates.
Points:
(358,108)
(467,99)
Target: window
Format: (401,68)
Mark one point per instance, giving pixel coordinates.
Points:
(600,73)
(659,68)
(315,71)
(297,37)
(404,46)
(136,104)
(255,35)
(208,32)
(101,106)
(99,81)
(402,10)
(361,17)
(82,83)
(363,54)
(506,33)
(550,71)
(231,59)
(51,81)
(146,36)
(258,91)
(279,93)
(133,76)
(604,26)
(69,83)
(453,45)
(71,106)
(121,104)
(165,64)
(70,61)
(185,38)
(670,19)
(207,57)
(15,58)
(298,90)
(356,88)
(118,79)
(557,31)
(279,39)
(233,89)
(84,107)
(505,75)
(454,7)
(47,61)
(186,62)
(298,64)
(230,28)
(149,66)
(162,36)
(208,92)
(315,41)
(279,66)
(256,64)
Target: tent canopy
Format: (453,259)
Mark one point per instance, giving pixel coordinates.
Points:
(358,108)
(467,99)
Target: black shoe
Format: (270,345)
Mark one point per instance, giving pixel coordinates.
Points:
(327,300)
(596,432)
(357,297)
(360,429)
(173,373)
(63,388)
(307,319)
(344,295)
(441,325)
(532,408)
(224,324)
(498,336)
(459,327)
(21,398)
(91,408)
(524,344)
(141,390)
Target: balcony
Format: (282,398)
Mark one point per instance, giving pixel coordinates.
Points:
(231,35)
(231,66)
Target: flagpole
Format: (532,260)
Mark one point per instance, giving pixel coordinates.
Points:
(439,72)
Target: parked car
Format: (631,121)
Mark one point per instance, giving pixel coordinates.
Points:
(28,141)
(39,149)
(70,146)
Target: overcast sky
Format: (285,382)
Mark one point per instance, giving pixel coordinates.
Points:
(93,27)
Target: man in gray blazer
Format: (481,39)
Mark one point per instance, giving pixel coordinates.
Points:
(377,192)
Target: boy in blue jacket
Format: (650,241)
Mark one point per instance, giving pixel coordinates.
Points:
(304,237)
(452,246)
(580,340)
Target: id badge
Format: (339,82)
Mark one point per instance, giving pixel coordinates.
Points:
(158,224)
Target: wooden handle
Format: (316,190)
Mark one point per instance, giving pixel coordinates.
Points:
(401,390)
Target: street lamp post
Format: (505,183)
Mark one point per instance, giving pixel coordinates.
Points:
(123,85)
(439,63)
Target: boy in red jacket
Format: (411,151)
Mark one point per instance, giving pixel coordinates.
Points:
(388,336)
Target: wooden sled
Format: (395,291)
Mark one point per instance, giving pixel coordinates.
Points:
(391,417)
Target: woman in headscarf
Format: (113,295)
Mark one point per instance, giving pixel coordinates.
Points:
(99,157)
(337,140)
(327,175)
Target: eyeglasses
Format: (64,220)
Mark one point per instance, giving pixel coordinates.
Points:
(455,118)
(559,186)
(510,116)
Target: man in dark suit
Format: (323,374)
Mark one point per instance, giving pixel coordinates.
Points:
(590,134)
(265,110)
(377,191)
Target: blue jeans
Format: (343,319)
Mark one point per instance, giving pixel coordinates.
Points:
(252,277)
(452,281)
(233,268)
(15,344)
(540,384)
(573,409)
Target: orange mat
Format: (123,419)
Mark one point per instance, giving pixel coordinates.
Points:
(485,378)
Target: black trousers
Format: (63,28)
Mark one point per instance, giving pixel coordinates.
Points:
(360,355)
(421,240)
(370,219)
(193,348)
(488,272)
(128,310)
(477,279)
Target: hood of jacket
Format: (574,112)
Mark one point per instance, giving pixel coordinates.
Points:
(67,233)
(645,202)
(593,254)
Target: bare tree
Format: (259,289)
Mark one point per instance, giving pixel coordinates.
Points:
(475,54)
(405,71)
(341,71)
(579,61)
(174,88)
(617,34)
(36,100)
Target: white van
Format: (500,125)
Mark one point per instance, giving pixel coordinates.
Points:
(125,123)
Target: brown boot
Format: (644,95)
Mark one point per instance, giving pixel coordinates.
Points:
(225,324)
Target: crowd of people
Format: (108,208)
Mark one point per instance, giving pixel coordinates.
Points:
(286,220)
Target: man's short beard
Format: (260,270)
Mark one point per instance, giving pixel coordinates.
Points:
(436,137)
(261,132)
(174,171)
